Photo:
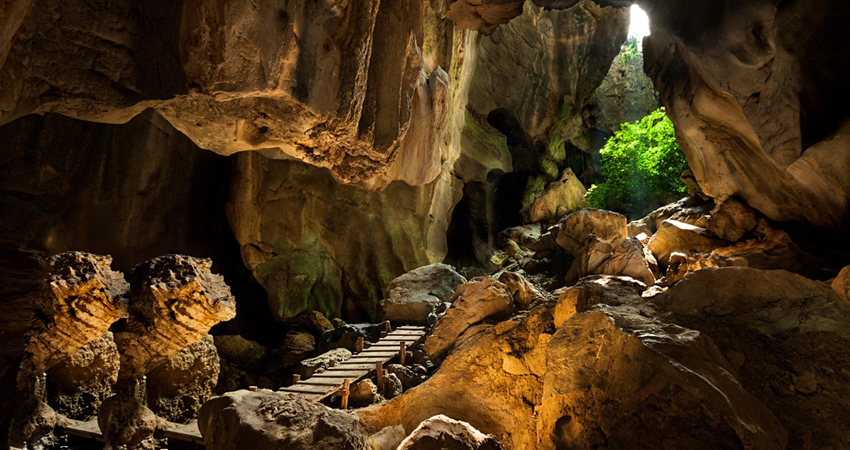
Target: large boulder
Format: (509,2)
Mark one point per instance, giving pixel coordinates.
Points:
(414,296)
(841,283)
(676,236)
(177,388)
(630,259)
(267,420)
(126,422)
(787,337)
(77,385)
(318,364)
(176,300)
(576,227)
(447,434)
(479,299)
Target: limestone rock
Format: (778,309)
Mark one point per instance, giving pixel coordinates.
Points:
(524,294)
(591,257)
(77,385)
(412,297)
(576,227)
(175,303)
(595,290)
(346,336)
(314,321)
(449,434)
(676,236)
(731,219)
(177,388)
(364,393)
(409,376)
(479,299)
(559,198)
(629,258)
(312,366)
(83,297)
(392,386)
(125,421)
(240,362)
(645,364)
(841,283)
(680,264)
(742,115)
(387,439)
(792,334)
(296,346)
(267,420)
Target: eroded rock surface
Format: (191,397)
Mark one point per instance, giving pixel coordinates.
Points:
(177,388)
(414,296)
(175,303)
(267,420)
(82,299)
(448,434)
(77,385)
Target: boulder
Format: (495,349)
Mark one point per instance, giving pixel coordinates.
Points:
(594,253)
(267,420)
(409,376)
(675,236)
(476,300)
(296,346)
(523,293)
(346,336)
(127,423)
(175,303)
(241,361)
(559,198)
(392,386)
(82,299)
(788,337)
(77,385)
(841,283)
(610,372)
(314,321)
(680,264)
(177,388)
(731,219)
(593,290)
(387,439)
(448,434)
(364,393)
(412,297)
(576,227)
(630,259)
(309,367)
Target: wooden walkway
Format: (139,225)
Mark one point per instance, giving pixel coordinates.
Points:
(333,379)
(90,430)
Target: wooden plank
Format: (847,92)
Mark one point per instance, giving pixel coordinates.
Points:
(185,432)
(342,374)
(88,430)
(321,382)
(411,327)
(375,354)
(361,365)
(299,389)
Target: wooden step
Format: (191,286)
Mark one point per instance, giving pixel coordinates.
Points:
(185,432)
(350,374)
(88,430)
(303,389)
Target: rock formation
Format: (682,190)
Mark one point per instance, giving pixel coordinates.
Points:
(267,420)
(177,388)
(414,296)
(175,303)
(445,433)
(82,299)
(78,384)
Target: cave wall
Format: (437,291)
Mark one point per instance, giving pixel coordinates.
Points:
(134,191)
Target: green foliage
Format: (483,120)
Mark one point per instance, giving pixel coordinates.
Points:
(641,164)
(630,52)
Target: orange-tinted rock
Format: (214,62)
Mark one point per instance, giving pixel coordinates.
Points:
(447,434)
(82,299)
(77,385)
(175,303)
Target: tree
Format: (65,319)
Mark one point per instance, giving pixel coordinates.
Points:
(641,165)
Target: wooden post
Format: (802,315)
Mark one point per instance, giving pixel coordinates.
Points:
(379,372)
(387,326)
(296,378)
(358,347)
(344,392)
(402,352)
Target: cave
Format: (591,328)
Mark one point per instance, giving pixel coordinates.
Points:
(371,225)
